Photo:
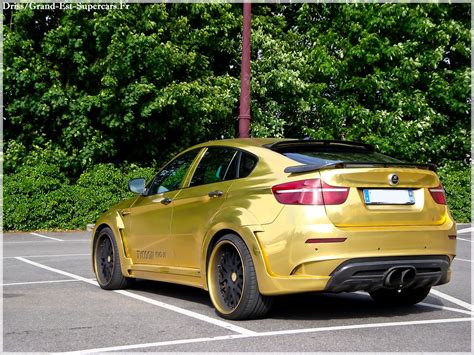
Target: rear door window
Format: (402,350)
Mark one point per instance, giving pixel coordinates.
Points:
(247,164)
(217,164)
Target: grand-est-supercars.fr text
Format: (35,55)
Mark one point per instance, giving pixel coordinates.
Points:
(63,6)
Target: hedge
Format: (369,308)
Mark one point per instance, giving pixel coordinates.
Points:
(456,179)
(41,197)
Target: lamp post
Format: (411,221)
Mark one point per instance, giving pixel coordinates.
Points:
(244,114)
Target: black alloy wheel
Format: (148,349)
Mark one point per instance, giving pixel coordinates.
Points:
(230,276)
(107,262)
(105,258)
(232,281)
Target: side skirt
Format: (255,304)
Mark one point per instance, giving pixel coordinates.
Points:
(178,275)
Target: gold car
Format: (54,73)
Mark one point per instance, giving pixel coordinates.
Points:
(248,219)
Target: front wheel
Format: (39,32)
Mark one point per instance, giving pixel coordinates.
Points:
(107,262)
(232,281)
(404,297)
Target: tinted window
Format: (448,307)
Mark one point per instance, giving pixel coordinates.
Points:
(215,166)
(233,167)
(247,163)
(172,175)
(329,155)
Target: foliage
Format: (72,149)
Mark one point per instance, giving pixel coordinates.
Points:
(40,197)
(17,156)
(392,75)
(456,179)
(138,85)
(26,196)
(98,85)
(95,86)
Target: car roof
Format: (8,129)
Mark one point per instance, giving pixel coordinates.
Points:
(242,142)
(278,143)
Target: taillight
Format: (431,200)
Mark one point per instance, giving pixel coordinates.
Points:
(334,195)
(303,192)
(438,194)
(310,192)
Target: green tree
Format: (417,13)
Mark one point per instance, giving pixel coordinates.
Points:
(393,75)
(110,86)
(140,84)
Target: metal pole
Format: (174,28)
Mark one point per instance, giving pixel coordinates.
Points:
(244,116)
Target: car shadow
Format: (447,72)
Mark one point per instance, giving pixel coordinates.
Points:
(305,306)
(326,306)
(186,293)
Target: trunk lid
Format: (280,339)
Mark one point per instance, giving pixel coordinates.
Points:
(374,200)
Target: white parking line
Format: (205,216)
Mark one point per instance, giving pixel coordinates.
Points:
(45,236)
(459,259)
(43,256)
(47,241)
(465,230)
(245,333)
(452,299)
(199,316)
(40,282)
(444,308)
(176,309)
(464,240)
(430,305)
(65,273)
(273,333)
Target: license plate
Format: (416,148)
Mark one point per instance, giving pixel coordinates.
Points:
(389,197)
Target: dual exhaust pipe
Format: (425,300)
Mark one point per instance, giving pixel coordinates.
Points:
(399,277)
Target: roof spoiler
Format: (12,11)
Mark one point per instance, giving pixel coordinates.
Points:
(338,165)
(319,142)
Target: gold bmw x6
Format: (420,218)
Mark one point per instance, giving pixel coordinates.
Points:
(248,219)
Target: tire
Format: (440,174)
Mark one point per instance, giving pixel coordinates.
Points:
(107,262)
(406,297)
(233,283)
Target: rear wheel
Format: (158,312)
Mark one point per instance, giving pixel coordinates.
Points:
(107,262)
(232,281)
(404,297)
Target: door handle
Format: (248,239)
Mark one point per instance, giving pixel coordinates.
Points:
(124,213)
(216,193)
(166,201)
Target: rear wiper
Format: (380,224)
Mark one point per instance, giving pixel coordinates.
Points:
(340,164)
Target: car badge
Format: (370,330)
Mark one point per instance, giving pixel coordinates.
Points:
(393,179)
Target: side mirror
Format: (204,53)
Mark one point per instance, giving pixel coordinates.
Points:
(137,186)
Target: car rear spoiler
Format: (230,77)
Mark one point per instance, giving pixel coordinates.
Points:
(339,165)
(318,143)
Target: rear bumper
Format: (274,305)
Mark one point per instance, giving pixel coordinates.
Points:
(292,265)
(362,274)
(287,252)
(368,274)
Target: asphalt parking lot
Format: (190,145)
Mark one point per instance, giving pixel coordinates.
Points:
(52,303)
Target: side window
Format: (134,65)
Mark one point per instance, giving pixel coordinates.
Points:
(247,164)
(215,166)
(171,176)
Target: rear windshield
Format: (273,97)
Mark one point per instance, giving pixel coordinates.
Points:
(316,155)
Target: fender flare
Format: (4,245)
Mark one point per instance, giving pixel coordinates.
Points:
(115,223)
(241,222)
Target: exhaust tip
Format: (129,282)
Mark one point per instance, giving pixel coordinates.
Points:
(399,277)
